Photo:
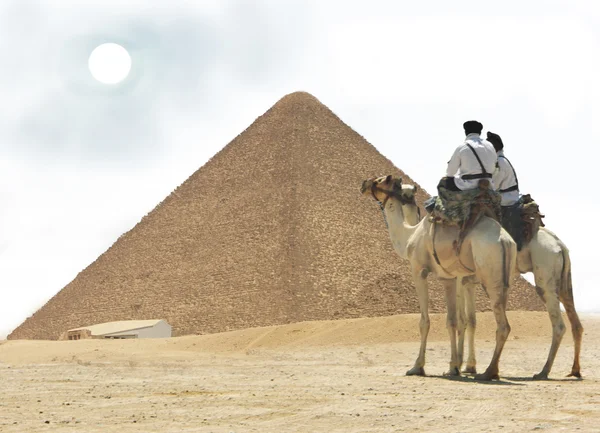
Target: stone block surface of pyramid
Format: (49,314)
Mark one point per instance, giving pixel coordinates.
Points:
(271,230)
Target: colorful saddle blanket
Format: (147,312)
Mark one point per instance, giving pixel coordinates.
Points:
(522,220)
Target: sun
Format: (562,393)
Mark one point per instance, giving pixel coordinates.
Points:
(109,63)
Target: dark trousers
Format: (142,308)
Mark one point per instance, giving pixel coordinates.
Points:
(448,183)
(511,221)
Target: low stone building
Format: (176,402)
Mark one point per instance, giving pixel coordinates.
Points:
(121,330)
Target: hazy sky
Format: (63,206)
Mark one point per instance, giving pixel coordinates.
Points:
(82,162)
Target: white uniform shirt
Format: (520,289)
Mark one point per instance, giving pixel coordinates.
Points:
(504,177)
(464,162)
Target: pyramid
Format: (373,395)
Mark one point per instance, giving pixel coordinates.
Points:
(271,230)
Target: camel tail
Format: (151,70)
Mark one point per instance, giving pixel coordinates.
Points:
(566,284)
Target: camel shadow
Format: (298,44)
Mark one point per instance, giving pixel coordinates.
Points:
(531,379)
(471,379)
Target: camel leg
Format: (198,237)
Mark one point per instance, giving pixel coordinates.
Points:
(462,319)
(549,294)
(469,289)
(498,295)
(451,325)
(423,294)
(577,331)
(566,297)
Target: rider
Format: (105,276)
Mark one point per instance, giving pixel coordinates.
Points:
(505,177)
(507,184)
(472,161)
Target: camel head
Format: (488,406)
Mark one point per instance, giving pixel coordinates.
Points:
(384,187)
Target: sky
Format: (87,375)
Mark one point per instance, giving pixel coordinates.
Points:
(82,162)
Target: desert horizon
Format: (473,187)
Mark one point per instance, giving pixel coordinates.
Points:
(337,376)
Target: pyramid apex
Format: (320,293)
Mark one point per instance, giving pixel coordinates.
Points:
(298,97)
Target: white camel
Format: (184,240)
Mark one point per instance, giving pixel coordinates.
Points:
(548,258)
(488,252)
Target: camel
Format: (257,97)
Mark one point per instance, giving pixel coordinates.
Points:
(548,258)
(488,252)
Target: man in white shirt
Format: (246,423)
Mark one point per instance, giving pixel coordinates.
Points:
(472,161)
(505,176)
(507,184)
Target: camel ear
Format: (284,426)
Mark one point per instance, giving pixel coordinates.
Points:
(415,189)
(398,183)
(388,178)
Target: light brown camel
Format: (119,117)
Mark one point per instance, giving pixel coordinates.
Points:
(548,258)
(487,252)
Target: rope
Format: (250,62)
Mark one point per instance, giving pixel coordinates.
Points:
(383,213)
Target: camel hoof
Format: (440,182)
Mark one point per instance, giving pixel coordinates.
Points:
(540,376)
(574,374)
(416,371)
(470,370)
(487,376)
(453,372)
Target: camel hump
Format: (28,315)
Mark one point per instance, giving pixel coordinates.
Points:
(464,208)
(458,207)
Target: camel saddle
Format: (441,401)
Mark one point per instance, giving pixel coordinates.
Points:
(464,208)
(522,220)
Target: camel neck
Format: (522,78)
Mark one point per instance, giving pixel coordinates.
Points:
(400,231)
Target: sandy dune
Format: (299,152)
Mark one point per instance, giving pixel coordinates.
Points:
(334,376)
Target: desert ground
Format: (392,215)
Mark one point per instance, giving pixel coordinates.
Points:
(331,376)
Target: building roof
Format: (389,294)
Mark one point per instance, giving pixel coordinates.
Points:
(121,326)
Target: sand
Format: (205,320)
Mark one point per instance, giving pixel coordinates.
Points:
(330,376)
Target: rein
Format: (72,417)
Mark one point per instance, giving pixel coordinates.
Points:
(395,194)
